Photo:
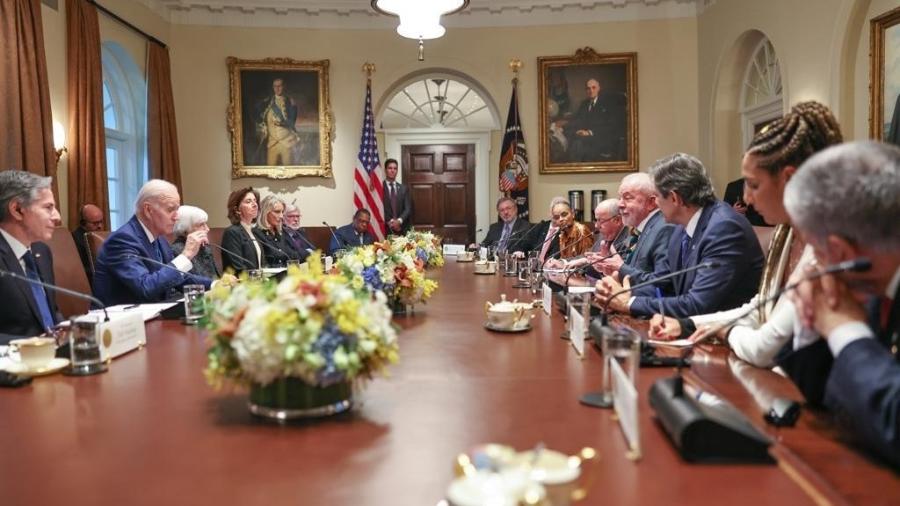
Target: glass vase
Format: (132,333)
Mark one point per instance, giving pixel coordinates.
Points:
(289,398)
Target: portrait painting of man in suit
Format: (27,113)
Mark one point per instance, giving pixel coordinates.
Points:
(587,113)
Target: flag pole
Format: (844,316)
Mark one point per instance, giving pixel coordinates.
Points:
(369,69)
(515,65)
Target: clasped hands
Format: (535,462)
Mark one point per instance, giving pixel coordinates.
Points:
(606,287)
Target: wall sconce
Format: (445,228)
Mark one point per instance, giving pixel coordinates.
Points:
(59,140)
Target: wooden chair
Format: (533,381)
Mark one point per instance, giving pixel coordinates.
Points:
(69,273)
(94,241)
(319,236)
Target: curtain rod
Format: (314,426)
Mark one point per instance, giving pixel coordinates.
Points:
(126,23)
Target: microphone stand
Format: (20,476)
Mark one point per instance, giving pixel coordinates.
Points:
(55,288)
(337,239)
(232,253)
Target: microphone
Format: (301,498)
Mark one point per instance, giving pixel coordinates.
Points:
(523,233)
(301,235)
(584,267)
(860,264)
(545,241)
(276,248)
(152,261)
(232,253)
(59,289)
(558,253)
(333,234)
(703,265)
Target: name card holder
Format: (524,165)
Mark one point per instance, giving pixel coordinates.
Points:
(547,298)
(454,249)
(625,404)
(576,329)
(120,335)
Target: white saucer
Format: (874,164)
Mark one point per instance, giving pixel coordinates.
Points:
(551,468)
(55,365)
(490,326)
(505,488)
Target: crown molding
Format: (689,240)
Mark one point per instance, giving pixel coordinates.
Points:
(357,14)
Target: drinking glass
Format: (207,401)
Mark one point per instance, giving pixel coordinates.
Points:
(194,303)
(623,345)
(524,271)
(84,349)
(255,275)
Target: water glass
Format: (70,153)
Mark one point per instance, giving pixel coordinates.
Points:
(194,303)
(524,271)
(255,275)
(84,348)
(624,345)
(510,265)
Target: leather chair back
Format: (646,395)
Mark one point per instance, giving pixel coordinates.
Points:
(69,273)
(94,241)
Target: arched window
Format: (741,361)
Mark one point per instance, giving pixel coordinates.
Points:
(124,117)
(761,93)
(437,101)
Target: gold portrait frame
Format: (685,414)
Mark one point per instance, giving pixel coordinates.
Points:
(310,137)
(877,28)
(606,153)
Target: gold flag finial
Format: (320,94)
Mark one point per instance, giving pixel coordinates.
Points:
(515,65)
(369,69)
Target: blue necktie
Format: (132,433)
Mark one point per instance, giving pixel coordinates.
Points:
(504,237)
(40,297)
(685,249)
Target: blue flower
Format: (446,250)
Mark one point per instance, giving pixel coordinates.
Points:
(372,278)
(421,254)
(330,338)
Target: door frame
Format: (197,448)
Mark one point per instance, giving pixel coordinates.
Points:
(394,139)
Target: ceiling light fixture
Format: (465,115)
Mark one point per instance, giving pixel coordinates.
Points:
(419,19)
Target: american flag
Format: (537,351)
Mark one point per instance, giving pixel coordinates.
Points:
(368,176)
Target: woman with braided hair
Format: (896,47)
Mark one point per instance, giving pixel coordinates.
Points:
(769,163)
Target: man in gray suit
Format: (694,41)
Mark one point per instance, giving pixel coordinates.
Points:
(647,249)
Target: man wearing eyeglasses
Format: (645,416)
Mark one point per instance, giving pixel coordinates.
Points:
(91,221)
(612,236)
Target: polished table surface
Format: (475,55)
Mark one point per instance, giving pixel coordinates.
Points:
(150,431)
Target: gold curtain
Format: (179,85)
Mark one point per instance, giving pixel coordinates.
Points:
(25,120)
(162,135)
(87,136)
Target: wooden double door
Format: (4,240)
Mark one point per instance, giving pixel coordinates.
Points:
(441,179)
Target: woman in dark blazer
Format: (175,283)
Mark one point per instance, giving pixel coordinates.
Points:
(276,246)
(191,219)
(240,249)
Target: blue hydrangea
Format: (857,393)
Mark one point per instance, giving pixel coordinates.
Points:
(372,278)
(421,255)
(328,342)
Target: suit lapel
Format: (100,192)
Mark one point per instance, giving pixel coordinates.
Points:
(11,263)
(694,251)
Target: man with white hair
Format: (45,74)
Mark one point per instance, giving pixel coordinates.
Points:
(844,203)
(28,216)
(294,233)
(136,263)
(648,246)
(611,236)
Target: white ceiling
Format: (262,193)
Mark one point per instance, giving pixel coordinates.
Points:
(357,14)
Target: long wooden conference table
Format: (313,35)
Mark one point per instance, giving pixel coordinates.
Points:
(150,431)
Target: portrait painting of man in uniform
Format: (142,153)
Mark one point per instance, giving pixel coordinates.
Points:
(280,118)
(588,105)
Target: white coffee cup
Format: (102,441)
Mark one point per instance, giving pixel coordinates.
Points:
(35,352)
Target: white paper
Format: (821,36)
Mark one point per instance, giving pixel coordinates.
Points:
(147,311)
(271,271)
(547,296)
(678,343)
(581,289)
(576,329)
(625,402)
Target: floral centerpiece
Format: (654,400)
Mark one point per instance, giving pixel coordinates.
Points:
(299,343)
(397,271)
(426,245)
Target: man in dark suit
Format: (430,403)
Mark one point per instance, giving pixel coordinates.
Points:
(397,201)
(353,234)
(734,196)
(707,230)
(844,202)
(91,220)
(648,243)
(509,232)
(136,265)
(612,236)
(28,216)
(596,130)
(294,233)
